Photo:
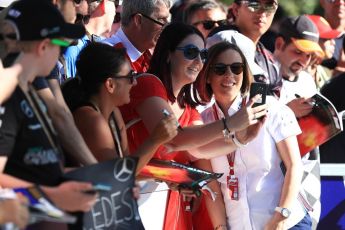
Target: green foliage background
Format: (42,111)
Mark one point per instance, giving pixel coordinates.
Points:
(296,7)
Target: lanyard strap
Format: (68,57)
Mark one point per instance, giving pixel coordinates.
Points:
(42,117)
(231,156)
(116,133)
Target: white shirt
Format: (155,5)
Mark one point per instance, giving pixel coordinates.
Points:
(257,167)
(120,37)
(304,86)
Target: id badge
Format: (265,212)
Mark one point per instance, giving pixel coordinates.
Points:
(233,187)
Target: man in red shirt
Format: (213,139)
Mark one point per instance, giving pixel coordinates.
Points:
(142,21)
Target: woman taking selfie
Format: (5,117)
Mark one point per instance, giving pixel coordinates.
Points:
(256,193)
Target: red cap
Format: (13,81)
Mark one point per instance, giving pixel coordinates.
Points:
(325,30)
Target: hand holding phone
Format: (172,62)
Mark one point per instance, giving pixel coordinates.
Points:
(258,88)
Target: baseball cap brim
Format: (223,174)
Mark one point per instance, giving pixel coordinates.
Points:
(72,31)
(308,46)
(331,34)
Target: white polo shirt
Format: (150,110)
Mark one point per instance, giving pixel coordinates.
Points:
(257,167)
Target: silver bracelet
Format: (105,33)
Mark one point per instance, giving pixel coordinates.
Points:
(237,142)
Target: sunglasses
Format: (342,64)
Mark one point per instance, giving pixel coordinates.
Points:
(209,24)
(155,20)
(220,68)
(117,17)
(131,76)
(255,6)
(191,52)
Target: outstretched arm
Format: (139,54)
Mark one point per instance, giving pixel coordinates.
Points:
(63,121)
(194,137)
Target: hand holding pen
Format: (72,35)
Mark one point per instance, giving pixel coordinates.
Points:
(166,114)
(301,106)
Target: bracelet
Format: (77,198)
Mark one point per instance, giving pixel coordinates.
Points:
(221,226)
(237,142)
(226,131)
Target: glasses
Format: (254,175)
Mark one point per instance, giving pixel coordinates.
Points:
(255,6)
(220,68)
(131,76)
(209,24)
(117,17)
(191,52)
(154,20)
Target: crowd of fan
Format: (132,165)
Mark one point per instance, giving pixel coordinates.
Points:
(85,81)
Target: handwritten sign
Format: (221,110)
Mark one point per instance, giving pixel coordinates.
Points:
(116,209)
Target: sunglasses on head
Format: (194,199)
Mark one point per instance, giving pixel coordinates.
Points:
(220,68)
(191,52)
(209,24)
(131,76)
(255,6)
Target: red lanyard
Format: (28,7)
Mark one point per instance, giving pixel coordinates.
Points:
(230,156)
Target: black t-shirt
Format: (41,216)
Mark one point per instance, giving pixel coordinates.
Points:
(42,82)
(31,156)
(333,151)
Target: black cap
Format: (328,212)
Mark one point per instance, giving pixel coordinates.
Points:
(37,20)
(303,33)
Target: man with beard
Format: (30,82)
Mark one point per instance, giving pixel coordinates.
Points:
(142,21)
(296,43)
(253,18)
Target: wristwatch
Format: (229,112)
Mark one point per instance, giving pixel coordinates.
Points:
(283,211)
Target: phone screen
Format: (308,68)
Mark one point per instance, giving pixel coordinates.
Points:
(258,88)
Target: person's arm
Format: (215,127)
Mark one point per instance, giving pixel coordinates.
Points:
(216,209)
(63,121)
(150,112)
(8,80)
(14,211)
(289,152)
(69,196)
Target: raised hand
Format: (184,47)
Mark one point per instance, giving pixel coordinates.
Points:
(247,115)
(165,130)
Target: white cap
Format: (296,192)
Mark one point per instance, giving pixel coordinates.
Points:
(246,45)
(5,3)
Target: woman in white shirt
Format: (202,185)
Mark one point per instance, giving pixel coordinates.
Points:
(256,193)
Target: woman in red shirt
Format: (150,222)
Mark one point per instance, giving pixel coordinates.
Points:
(177,60)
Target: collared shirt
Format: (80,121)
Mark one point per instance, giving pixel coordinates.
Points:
(257,167)
(139,61)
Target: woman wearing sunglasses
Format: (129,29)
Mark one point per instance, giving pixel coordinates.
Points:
(177,60)
(106,79)
(255,191)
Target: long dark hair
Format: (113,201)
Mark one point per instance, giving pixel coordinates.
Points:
(204,89)
(95,63)
(169,39)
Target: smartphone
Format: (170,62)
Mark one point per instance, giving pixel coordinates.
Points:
(99,188)
(258,88)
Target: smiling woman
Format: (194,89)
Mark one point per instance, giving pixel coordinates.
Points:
(177,60)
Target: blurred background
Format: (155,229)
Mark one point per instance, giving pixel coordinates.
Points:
(296,7)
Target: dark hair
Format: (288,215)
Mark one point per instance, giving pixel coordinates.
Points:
(194,7)
(204,89)
(95,63)
(169,39)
